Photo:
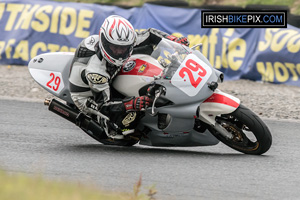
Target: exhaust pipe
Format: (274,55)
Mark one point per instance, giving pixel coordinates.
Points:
(91,127)
(62,110)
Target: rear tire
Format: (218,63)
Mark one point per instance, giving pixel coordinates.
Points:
(101,137)
(234,131)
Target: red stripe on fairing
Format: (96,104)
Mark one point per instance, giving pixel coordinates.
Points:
(150,70)
(218,98)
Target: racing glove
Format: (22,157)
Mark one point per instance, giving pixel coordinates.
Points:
(136,103)
(181,40)
(92,104)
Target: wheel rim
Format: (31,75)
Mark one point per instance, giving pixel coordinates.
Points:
(237,135)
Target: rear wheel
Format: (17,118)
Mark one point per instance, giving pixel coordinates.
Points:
(243,131)
(98,134)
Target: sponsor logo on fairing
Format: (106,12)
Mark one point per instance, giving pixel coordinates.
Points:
(40,60)
(129,66)
(142,68)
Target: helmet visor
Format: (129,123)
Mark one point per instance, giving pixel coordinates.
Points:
(116,51)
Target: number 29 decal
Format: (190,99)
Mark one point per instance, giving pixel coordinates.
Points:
(192,66)
(191,76)
(54,82)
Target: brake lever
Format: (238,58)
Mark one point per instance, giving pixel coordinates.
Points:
(158,92)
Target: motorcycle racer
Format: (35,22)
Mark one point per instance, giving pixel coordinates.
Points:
(97,61)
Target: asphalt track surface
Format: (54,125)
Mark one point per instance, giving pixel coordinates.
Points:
(36,141)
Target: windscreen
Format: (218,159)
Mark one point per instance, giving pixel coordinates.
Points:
(170,55)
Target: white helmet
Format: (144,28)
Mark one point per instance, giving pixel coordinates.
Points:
(117,38)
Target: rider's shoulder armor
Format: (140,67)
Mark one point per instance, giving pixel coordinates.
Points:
(87,47)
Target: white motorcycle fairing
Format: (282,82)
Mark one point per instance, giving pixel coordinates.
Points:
(51,71)
(139,71)
(187,108)
(218,103)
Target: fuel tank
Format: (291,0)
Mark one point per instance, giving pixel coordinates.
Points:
(137,72)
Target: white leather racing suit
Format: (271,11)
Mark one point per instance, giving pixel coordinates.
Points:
(91,76)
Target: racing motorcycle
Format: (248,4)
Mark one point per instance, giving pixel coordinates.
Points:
(188,109)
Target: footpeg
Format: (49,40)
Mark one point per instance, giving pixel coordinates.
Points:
(47,102)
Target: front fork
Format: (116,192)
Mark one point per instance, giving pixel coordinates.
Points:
(217,104)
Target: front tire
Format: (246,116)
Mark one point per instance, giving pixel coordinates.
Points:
(243,131)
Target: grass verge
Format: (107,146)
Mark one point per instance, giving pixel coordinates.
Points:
(22,187)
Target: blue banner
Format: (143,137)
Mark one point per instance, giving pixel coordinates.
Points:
(29,28)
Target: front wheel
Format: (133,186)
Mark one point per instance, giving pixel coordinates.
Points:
(243,131)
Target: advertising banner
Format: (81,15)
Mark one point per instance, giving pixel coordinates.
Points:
(29,28)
